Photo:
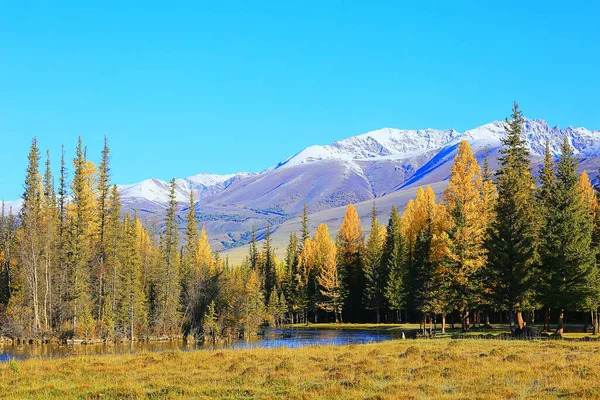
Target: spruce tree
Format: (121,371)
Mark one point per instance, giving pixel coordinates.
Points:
(104,187)
(373,267)
(393,265)
(568,258)
(31,244)
(268,267)
(512,240)
(169,278)
(290,285)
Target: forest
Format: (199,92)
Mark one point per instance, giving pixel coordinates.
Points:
(509,242)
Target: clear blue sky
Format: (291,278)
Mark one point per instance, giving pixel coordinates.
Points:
(187,87)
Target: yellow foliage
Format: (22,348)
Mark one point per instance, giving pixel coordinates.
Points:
(586,192)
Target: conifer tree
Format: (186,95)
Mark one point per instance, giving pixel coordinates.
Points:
(328,278)
(393,263)
(512,241)
(169,277)
(104,188)
(83,228)
(190,262)
(305,234)
(373,267)
(31,244)
(568,257)
(290,285)
(466,254)
(50,235)
(350,246)
(254,306)
(268,266)
(253,256)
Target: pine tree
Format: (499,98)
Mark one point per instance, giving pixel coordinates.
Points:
(253,256)
(169,277)
(31,244)
(254,308)
(190,262)
(350,246)
(104,188)
(512,241)
(268,266)
(133,295)
(328,278)
(373,267)
(305,234)
(290,287)
(393,263)
(64,276)
(425,288)
(568,258)
(83,228)
(210,325)
(50,235)
(466,231)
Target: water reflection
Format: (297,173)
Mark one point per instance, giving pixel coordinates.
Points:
(271,338)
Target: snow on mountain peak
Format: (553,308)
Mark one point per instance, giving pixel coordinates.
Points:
(384,142)
(536,132)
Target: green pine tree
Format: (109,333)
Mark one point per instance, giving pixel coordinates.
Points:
(512,237)
(373,267)
(568,259)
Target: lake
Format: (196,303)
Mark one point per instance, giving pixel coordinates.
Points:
(272,338)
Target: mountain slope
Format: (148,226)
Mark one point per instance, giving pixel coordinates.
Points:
(359,169)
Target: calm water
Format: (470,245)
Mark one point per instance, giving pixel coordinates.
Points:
(272,338)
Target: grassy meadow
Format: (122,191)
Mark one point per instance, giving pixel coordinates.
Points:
(411,369)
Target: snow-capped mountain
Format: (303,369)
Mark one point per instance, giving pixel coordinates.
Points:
(382,164)
(157,191)
(386,142)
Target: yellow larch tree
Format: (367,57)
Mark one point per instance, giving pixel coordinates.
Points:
(466,230)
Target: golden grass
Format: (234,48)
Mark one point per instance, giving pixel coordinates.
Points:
(411,369)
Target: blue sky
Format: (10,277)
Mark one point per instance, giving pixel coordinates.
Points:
(184,87)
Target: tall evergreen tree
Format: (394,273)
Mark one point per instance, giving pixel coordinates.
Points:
(268,267)
(290,285)
(253,250)
(169,277)
(568,257)
(373,267)
(393,265)
(104,187)
(31,246)
(512,240)
(83,217)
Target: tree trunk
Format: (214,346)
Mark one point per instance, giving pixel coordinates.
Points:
(378,316)
(443,323)
(464,320)
(520,320)
(430,326)
(547,320)
(561,323)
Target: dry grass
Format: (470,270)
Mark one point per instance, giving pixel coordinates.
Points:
(412,369)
